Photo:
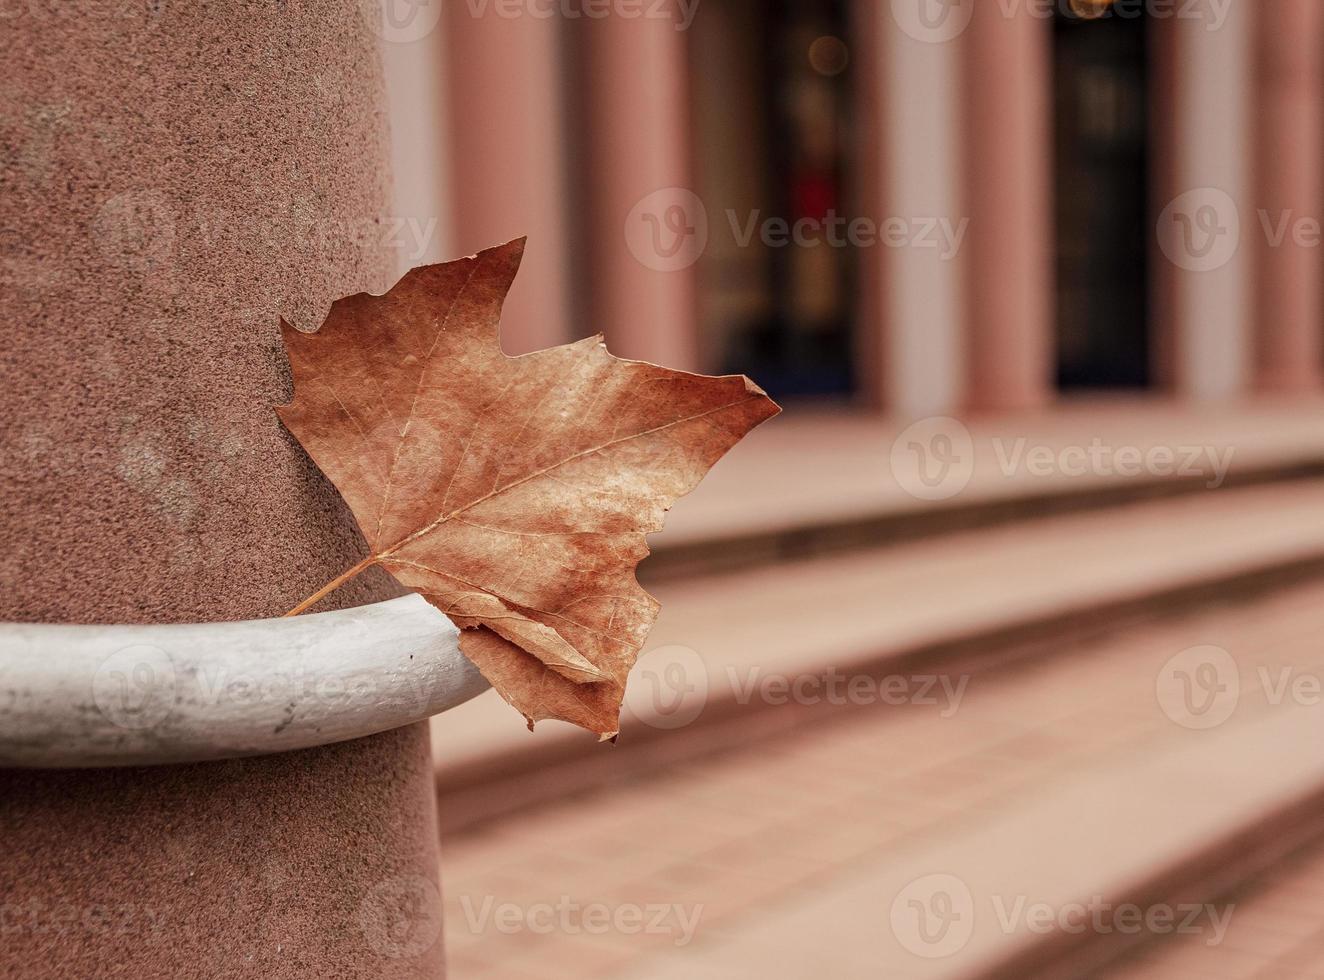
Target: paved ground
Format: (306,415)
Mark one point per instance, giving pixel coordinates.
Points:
(1276,932)
(780,859)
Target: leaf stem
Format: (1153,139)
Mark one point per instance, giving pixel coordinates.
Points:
(331,586)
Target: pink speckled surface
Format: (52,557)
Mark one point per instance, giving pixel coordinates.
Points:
(175,176)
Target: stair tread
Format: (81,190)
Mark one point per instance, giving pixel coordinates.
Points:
(811,468)
(1067,779)
(805,617)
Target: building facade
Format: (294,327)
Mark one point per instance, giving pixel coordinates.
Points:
(923,206)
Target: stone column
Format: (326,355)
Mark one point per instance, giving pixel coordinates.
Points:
(645,227)
(912,309)
(1161,43)
(1008,155)
(1290,46)
(176,176)
(1206,222)
(417,89)
(508,136)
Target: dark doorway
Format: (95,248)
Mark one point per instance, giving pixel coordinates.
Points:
(772,82)
(1102,169)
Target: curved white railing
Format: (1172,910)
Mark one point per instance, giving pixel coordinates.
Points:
(144,695)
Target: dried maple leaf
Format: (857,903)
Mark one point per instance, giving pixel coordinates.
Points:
(513,493)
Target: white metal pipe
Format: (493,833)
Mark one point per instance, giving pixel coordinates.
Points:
(144,695)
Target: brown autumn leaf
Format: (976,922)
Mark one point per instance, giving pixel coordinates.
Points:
(513,493)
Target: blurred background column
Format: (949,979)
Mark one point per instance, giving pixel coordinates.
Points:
(645,227)
(508,134)
(912,302)
(413,64)
(1008,159)
(1205,213)
(1288,192)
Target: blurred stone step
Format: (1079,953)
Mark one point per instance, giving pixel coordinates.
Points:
(1076,782)
(821,482)
(1276,929)
(739,655)
(1048,886)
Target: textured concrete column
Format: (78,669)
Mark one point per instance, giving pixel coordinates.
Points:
(508,138)
(913,304)
(1290,36)
(1008,154)
(175,176)
(1206,224)
(640,237)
